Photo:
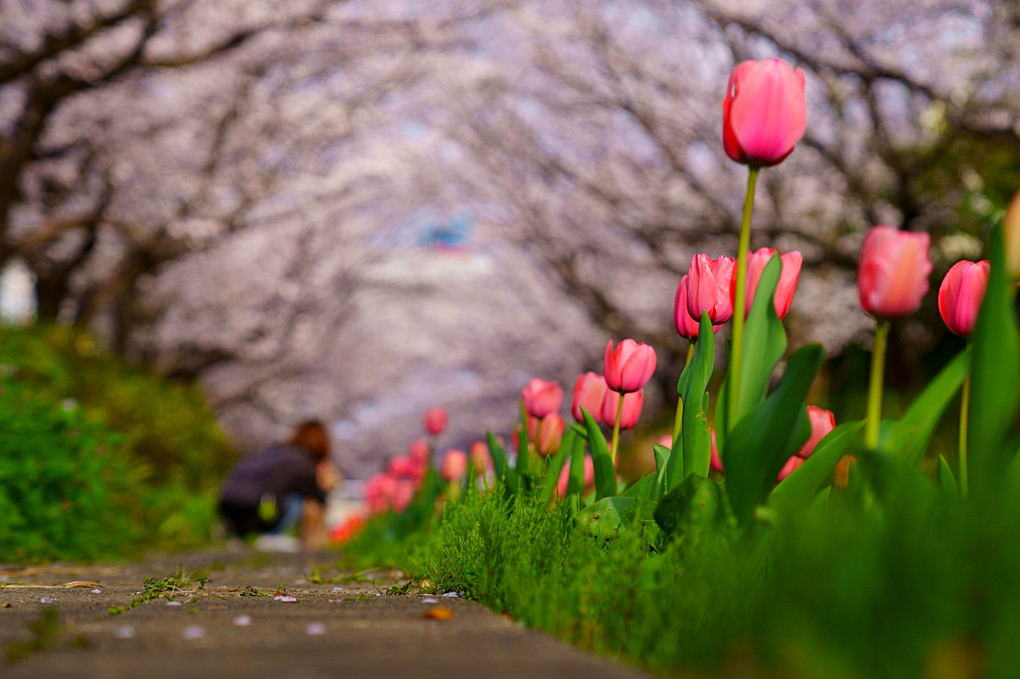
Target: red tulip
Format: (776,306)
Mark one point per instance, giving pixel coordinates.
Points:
(629,366)
(961,293)
(708,288)
(892,276)
(764,112)
(550,433)
(715,463)
(788,277)
(435,421)
(541,397)
(788,468)
(632,403)
(589,392)
(822,422)
(454,465)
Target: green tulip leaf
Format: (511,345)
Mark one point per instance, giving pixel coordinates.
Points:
(798,490)
(692,503)
(692,450)
(500,465)
(995,375)
(552,472)
(608,516)
(947,482)
(605,474)
(764,344)
(575,482)
(768,435)
(909,436)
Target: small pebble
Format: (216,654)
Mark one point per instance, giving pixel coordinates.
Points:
(338,589)
(194,632)
(125,632)
(46,600)
(285,598)
(242,620)
(174,603)
(315,629)
(452,595)
(430,601)
(97,591)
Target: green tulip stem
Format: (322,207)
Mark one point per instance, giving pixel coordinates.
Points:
(690,353)
(964,414)
(616,431)
(739,303)
(875,385)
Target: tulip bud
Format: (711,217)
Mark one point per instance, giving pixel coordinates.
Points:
(764,112)
(1011,236)
(892,276)
(435,421)
(550,433)
(788,277)
(632,403)
(822,422)
(541,397)
(708,288)
(960,295)
(589,392)
(454,465)
(629,367)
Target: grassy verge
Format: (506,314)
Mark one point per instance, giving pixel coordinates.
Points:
(921,588)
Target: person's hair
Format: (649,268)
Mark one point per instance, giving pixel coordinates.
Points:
(311,436)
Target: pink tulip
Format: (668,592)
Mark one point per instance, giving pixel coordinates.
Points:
(403,493)
(541,397)
(822,422)
(788,468)
(665,440)
(401,465)
(418,451)
(764,112)
(629,367)
(632,403)
(550,433)
(682,321)
(435,421)
(564,480)
(960,295)
(454,465)
(708,288)
(892,276)
(715,463)
(788,277)
(589,392)
(481,460)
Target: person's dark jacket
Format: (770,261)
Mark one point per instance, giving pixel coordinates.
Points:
(277,470)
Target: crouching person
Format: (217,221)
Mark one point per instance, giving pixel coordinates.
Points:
(282,489)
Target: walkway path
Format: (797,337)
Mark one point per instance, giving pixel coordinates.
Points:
(241,624)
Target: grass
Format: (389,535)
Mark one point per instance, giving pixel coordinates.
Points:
(922,587)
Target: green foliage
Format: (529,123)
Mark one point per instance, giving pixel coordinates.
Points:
(164,425)
(66,486)
(100,459)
